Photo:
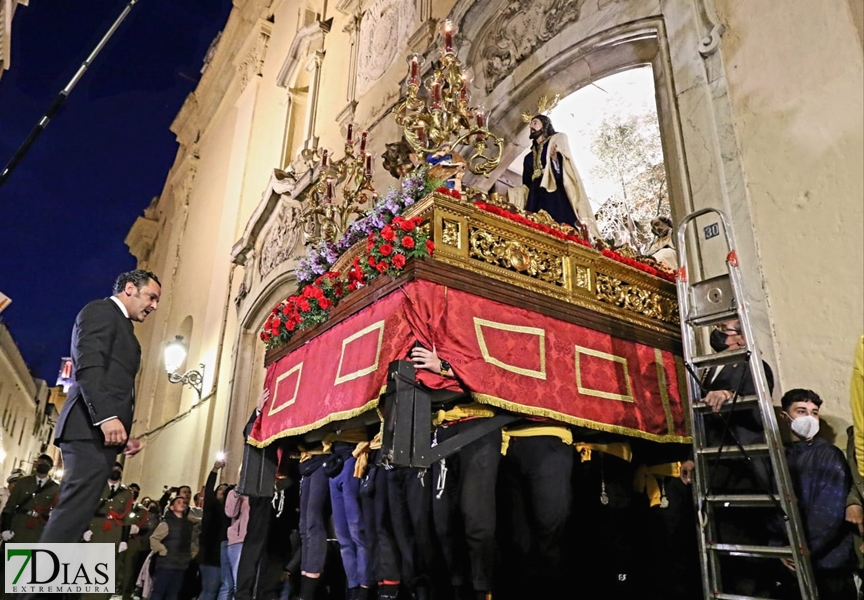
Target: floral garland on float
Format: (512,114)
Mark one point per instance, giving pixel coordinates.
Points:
(391,240)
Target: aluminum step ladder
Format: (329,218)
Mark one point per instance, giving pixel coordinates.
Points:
(703,304)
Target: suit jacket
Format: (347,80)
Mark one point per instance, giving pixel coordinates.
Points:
(105,358)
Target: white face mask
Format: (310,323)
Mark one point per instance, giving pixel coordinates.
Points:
(805,427)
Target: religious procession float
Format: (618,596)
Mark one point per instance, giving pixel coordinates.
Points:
(531,316)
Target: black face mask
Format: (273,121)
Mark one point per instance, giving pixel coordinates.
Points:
(115,476)
(43,469)
(718,340)
(135,494)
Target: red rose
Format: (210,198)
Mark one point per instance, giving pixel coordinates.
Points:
(408,242)
(324,303)
(276,323)
(442,190)
(407,226)
(303,304)
(430,247)
(388,234)
(386,249)
(371,261)
(399,260)
(382,266)
(265,336)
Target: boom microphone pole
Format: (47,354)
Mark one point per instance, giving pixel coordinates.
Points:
(61,97)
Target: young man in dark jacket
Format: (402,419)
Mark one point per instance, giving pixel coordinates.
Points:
(175,543)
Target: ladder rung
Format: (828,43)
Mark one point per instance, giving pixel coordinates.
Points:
(720,358)
(713,318)
(738,500)
(722,596)
(733,451)
(753,551)
(742,402)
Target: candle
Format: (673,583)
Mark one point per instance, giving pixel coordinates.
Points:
(324,159)
(480,117)
(463,93)
(436,94)
(448,36)
(350,138)
(368,167)
(328,195)
(363,141)
(421,134)
(414,71)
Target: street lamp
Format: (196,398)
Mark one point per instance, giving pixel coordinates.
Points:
(175,354)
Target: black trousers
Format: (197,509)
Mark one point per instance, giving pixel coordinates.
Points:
(87,465)
(254,547)
(535,500)
(464,514)
(410,500)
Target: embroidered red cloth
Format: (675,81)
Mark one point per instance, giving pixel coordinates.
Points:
(505,356)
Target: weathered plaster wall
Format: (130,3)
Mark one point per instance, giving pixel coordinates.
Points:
(794,72)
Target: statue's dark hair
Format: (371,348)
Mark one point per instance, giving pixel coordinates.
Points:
(664,219)
(139,277)
(548,131)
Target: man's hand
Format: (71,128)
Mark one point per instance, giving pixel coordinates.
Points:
(788,563)
(855,515)
(716,399)
(220,462)
(7,535)
(134,529)
(88,535)
(133,447)
(115,433)
(687,472)
(121,547)
(426,359)
(265,395)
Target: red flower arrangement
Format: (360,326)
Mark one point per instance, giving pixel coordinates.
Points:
(388,250)
(497,210)
(305,310)
(448,192)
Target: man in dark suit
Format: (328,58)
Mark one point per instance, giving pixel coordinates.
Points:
(95,421)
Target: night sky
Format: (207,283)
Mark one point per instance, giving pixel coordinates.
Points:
(67,207)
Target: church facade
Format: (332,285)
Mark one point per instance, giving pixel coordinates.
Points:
(759,110)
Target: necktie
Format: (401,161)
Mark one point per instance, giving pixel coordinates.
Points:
(39,483)
(113,489)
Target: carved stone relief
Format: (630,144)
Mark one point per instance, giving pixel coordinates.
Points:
(253,62)
(279,243)
(384,33)
(520,29)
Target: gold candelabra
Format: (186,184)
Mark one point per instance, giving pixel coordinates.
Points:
(443,116)
(343,189)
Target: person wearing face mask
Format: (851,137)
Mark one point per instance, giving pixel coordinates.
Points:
(30,504)
(736,526)
(719,385)
(821,480)
(108,525)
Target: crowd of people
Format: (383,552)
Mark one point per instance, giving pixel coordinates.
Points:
(536,509)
